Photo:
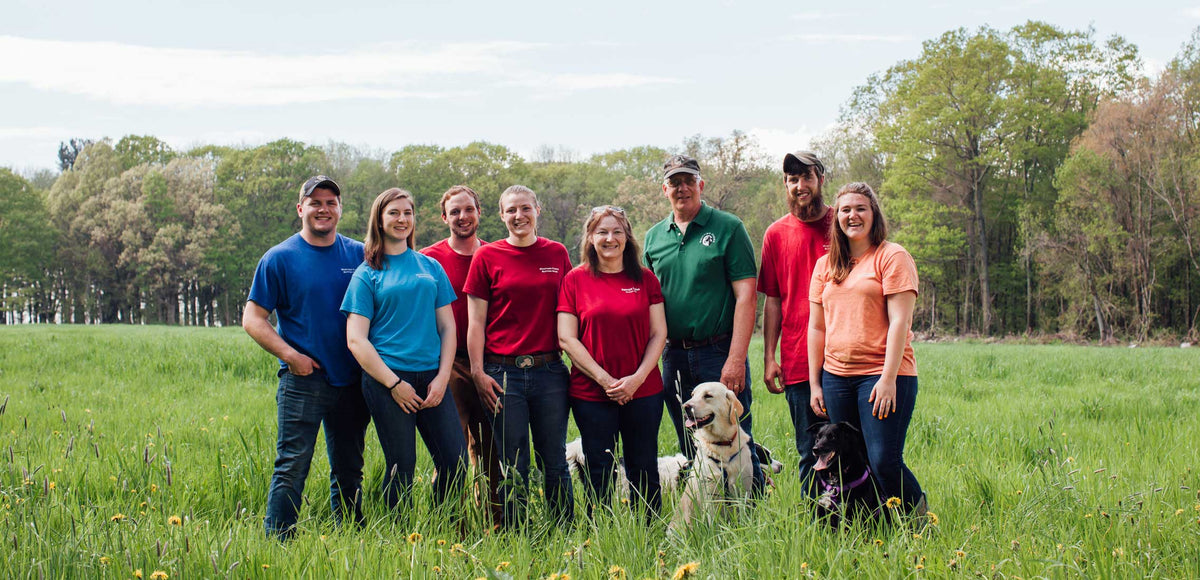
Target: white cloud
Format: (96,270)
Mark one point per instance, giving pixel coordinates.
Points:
(845,38)
(1192,12)
(141,75)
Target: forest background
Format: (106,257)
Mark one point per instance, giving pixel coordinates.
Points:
(1044,185)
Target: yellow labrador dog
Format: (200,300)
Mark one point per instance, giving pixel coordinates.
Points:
(722,473)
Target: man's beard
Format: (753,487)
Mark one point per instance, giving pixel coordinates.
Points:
(464,233)
(808,211)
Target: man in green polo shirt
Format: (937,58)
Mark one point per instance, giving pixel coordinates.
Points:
(704,260)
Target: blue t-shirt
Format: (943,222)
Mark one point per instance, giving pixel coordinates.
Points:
(304,285)
(400,301)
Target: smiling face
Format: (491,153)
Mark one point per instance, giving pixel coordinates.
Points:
(684,189)
(804,193)
(462,215)
(399,222)
(319,213)
(609,238)
(711,402)
(520,214)
(855,217)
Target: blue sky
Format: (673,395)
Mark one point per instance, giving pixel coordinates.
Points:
(380,75)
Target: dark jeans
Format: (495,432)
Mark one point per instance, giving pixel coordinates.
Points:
(802,417)
(682,370)
(600,422)
(305,403)
(846,400)
(439,429)
(534,403)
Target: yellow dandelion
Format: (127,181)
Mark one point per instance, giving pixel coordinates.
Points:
(893,503)
(266,566)
(1178,511)
(441,542)
(916,536)
(112,478)
(933,518)
(878,542)
(174,521)
(1019,492)
(1070,459)
(960,553)
(587,542)
(625,501)
(685,571)
(414,537)
(153,488)
(137,573)
(117,517)
(919,567)
(158,575)
(502,565)
(53,485)
(104,560)
(437,569)
(1087,516)
(132,491)
(1059,547)
(803,565)
(569,553)
(616,572)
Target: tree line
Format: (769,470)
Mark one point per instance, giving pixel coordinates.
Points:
(1042,184)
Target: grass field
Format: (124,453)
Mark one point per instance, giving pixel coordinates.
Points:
(144,450)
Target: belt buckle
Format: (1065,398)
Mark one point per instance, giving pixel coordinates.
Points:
(525,361)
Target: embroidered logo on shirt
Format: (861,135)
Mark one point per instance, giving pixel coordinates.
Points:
(548,270)
(633,290)
(708,239)
(426,276)
(348,270)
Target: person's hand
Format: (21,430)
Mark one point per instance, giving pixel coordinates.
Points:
(621,391)
(883,397)
(301,365)
(489,391)
(437,391)
(816,399)
(773,376)
(405,396)
(733,375)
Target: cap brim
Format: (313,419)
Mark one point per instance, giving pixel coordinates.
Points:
(680,170)
(327,184)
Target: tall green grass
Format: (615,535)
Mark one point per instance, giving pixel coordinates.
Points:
(150,448)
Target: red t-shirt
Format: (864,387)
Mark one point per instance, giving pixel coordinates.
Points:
(614,326)
(521,288)
(456,266)
(789,252)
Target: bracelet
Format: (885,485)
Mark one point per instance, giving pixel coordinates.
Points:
(395,384)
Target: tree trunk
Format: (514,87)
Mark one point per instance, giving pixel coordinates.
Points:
(985,296)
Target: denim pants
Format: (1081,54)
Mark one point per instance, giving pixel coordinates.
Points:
(846,400)
(304,404)
(397,429)
(797,395)
(534,403)
(600,422)
(683,369)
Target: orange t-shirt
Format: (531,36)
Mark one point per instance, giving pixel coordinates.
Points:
(856,318)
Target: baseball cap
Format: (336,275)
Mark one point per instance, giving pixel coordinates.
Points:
(319,181)
(680,164)
(806,158)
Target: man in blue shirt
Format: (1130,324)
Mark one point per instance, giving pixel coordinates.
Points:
(302,280)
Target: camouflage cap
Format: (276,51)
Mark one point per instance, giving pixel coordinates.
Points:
(319,181)
(805,158)
(680,164)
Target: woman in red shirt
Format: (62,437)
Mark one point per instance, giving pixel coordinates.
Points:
(512,288)
(612,324)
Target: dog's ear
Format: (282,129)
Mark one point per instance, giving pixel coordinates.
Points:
(816,426)
(735,408)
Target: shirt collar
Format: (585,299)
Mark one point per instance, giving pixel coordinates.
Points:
(701,218)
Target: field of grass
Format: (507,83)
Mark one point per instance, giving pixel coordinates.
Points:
(144,450)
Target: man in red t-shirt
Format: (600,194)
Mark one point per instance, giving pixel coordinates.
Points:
(791,247)
(460,212)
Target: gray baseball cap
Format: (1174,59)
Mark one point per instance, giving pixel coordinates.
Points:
(805,158)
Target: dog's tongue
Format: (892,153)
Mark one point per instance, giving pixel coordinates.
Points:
(823,461)
(689,422)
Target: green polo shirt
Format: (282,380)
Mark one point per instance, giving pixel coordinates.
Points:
(697,270)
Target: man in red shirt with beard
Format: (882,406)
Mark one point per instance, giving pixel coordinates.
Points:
(460,212)
(790,249)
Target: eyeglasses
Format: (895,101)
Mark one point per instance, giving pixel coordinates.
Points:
(612,208)
(677,181)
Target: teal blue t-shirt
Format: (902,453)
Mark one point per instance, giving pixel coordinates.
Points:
(400,301)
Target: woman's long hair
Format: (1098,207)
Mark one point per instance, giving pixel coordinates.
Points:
(839,244)
(631,258)
(373,245)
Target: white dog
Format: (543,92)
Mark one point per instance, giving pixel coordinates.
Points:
(723,472)
(670,468)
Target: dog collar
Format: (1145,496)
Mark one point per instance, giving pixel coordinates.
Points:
(838,490)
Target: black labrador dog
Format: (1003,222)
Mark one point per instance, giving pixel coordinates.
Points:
(849,491)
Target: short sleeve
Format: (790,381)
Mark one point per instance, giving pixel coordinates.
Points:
(566,294)
(819,276)
(897,271)
(653,288)
(360,295)
(739,255)
(267,290)
(445,292)
(768,280)
(479,283)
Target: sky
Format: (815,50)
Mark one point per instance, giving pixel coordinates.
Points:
(581,77)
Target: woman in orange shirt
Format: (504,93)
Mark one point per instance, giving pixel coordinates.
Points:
(860,353)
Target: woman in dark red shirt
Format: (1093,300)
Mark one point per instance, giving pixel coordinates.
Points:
(512,288)
(612,324)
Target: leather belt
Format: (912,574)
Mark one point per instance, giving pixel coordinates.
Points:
(688,344)
(524,361)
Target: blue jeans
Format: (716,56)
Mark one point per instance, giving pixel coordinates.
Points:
(600,422)
(802,417)
(682,370)
(439,429)
(846,400)
(305,403)
(534,403)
